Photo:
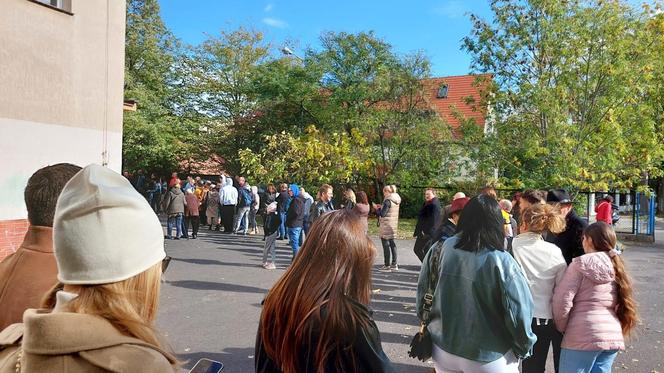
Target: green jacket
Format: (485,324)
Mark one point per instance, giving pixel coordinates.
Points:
(482,305)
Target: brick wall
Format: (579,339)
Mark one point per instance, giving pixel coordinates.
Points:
(11,235)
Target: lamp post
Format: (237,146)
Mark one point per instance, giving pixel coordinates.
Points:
(289,52)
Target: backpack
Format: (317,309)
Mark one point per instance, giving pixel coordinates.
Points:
(246,199)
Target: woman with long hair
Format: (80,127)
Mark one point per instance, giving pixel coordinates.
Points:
(482,308)
(594,305)
(109,248)
(544,266)
(349,199)
(316,317)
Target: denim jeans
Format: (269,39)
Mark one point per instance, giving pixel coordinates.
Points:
(175,221)
(389,247)
(241,220)
(282,226)
(294,237)
(576,361)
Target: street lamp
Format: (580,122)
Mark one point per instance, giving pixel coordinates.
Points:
(289,52)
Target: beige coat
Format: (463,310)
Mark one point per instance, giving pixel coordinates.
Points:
(72,342)
(390,222)
(26,275)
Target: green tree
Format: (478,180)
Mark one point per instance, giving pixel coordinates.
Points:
(223,68)
(567,78)
(154,137)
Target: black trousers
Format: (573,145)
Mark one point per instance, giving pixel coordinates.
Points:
(194,222)
(227,213)
(422,246)
(546,335)
(389,246)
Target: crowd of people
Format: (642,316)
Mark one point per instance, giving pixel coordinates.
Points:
(501,281)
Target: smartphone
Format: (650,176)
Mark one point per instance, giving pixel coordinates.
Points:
(207,366)
(164,263)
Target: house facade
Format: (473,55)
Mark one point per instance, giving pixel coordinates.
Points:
(61,100)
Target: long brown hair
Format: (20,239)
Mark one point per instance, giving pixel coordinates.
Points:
(604,239)
(331,271)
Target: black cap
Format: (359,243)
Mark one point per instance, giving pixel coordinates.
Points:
(558,196)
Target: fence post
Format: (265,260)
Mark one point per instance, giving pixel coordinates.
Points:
(651,215)
(637,212)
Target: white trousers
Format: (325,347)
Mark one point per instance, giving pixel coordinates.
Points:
(444,362)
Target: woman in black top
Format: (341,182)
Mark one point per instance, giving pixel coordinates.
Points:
(315,318)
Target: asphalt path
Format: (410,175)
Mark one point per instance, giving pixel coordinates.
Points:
(213,288)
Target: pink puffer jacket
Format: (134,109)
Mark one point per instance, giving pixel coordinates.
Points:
(584,305)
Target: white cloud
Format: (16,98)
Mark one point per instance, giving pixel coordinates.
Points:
(268,7)
(274,22)
(451,9)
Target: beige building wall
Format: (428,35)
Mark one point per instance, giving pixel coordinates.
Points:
(61,90)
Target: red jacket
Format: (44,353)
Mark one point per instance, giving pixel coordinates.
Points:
(603,211)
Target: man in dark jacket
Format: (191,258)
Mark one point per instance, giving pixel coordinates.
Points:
(295,217)
(569,241)
(323,205)
(428,220)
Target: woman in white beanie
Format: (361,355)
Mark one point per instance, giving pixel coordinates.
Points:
(109,246)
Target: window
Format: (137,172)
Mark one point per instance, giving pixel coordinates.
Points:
(442,91)
(61,5)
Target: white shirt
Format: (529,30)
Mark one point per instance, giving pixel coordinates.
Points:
(543,265)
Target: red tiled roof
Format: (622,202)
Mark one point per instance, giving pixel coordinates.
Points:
(212,166)
(459,90)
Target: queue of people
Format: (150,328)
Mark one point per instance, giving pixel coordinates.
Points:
(485,308)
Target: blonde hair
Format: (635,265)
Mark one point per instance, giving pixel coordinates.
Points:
(390,188)
(542,217)
(129,305)
(350,195)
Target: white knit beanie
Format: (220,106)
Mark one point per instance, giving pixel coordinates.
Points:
(104,231)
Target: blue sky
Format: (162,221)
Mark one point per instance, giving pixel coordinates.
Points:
(435,27)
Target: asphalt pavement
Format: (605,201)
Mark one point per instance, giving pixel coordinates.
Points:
(212,290)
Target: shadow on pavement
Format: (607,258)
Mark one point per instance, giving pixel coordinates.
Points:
(207,285)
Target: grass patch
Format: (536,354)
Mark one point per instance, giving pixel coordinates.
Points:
(405,232)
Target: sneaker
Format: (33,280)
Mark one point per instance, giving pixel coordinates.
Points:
(394,267)
(271,266)
(176,238)
(385,269)
(264,265)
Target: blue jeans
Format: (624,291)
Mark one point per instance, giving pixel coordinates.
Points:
(174,221)
(294,237)
(576,361)
(282,226)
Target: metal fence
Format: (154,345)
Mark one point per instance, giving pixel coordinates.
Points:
(636,211)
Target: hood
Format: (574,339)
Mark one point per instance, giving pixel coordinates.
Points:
(395,198)
(175,190)
(308,196)
(228,181)
(296,189)
(67,332)
(597,267)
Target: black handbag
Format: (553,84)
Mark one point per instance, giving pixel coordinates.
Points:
(421,345)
